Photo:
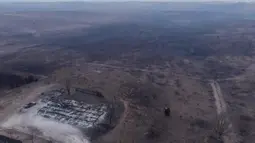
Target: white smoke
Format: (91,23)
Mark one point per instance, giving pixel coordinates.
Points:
(58,131)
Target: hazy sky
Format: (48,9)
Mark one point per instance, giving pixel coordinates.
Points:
(125,0)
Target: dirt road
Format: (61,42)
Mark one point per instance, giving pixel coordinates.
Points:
(219,100)
(230,135)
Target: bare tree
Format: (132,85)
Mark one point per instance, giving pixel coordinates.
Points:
(65,76)
(68,86)
(50,140)
(128,89)
(34,132)
(10,133)
(32,137)
(220,128)
(112,109)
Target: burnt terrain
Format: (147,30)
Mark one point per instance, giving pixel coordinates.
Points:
(145,56)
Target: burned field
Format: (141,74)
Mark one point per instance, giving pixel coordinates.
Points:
(156,57)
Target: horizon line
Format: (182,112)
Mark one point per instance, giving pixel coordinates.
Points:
(117,1)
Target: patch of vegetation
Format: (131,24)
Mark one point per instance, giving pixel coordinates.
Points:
(246,118)
(142,94)
(245,126)
(200,123)
(10,81)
